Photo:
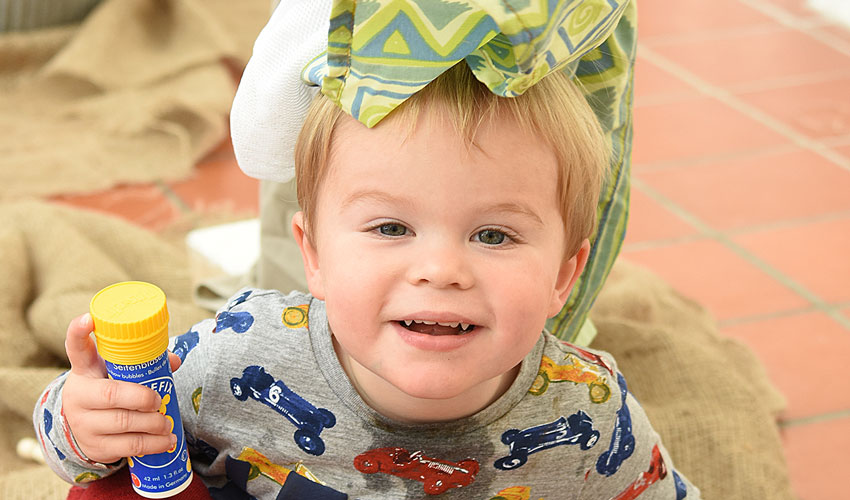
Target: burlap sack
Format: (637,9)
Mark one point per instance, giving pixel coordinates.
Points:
(136,93)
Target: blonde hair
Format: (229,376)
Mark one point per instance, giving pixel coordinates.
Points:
(553,109)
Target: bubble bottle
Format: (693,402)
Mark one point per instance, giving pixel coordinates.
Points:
(131,328)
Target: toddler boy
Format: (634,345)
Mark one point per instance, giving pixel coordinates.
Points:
(435,245)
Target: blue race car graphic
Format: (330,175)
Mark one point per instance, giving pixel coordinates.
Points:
(48,426)
(238,300)
(185,343)
(239,321)
(309,420)
(681,489)
(622,441)
(575,429)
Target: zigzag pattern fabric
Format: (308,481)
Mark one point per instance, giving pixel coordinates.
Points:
(380,52)
(606,77)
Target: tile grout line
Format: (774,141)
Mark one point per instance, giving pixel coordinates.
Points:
(748,88)
(711,159)
(763,28)
(173,197)
(770,226)
(743,253)
(804,25)
(814,419)
(745,320)
(744,108)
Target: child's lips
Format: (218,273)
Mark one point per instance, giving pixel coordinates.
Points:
(437,329)
(434,329)
(442,339)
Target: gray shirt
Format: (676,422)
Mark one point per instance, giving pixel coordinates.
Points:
(268,410)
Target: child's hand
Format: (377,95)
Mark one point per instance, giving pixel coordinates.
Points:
(110,419)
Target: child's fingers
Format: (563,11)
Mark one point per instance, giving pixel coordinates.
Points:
(119,421)
(112,448)
(109,394)
(81,350)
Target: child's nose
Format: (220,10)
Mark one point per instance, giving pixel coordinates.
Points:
(441,265)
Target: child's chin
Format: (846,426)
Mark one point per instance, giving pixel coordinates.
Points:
(442,401)
(435,394)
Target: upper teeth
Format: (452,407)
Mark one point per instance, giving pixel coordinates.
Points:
(408,322)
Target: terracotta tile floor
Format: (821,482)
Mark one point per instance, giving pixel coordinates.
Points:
(741,197)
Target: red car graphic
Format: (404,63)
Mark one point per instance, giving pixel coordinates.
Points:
(437,475)
(657,470)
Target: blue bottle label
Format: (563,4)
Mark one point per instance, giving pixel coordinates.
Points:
(158,475)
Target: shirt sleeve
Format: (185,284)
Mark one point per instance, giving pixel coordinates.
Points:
(61,451)
(633,463)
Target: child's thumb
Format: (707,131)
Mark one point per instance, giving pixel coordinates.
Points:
(81,349)
(174,360)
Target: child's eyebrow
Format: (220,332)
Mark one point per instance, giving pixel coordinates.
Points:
(372,195)
(514,208)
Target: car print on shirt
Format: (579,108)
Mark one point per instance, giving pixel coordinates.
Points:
(240,321)
(296,316)
(295,487)
(575,429)
(514,493)
(261,465)
(309,420)
(436,475)
(185,343)
(622,440)
(657,471)
(574,371)
(589,356)
(681,489)
(48,426)
(238,300)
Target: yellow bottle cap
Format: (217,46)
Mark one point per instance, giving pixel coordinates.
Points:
(130,322)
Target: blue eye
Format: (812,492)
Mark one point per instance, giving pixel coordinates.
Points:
(392,229)
(491,237)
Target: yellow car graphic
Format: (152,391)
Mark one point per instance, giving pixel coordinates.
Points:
(296,316)
(86,477)
(196,399)
(514,493)
(575,372)
(260,464)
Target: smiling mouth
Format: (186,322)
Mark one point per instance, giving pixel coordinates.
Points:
(436,328)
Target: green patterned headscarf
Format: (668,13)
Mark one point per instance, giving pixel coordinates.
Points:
(380,52)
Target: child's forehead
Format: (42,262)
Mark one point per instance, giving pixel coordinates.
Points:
(433,155)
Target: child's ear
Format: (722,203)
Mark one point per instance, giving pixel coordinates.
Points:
(308,255)
(568,274)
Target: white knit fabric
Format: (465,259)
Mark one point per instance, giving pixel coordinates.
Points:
(272,100)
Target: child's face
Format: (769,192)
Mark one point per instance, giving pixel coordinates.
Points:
(427,230)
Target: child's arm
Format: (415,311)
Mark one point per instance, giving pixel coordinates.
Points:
(87,423)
